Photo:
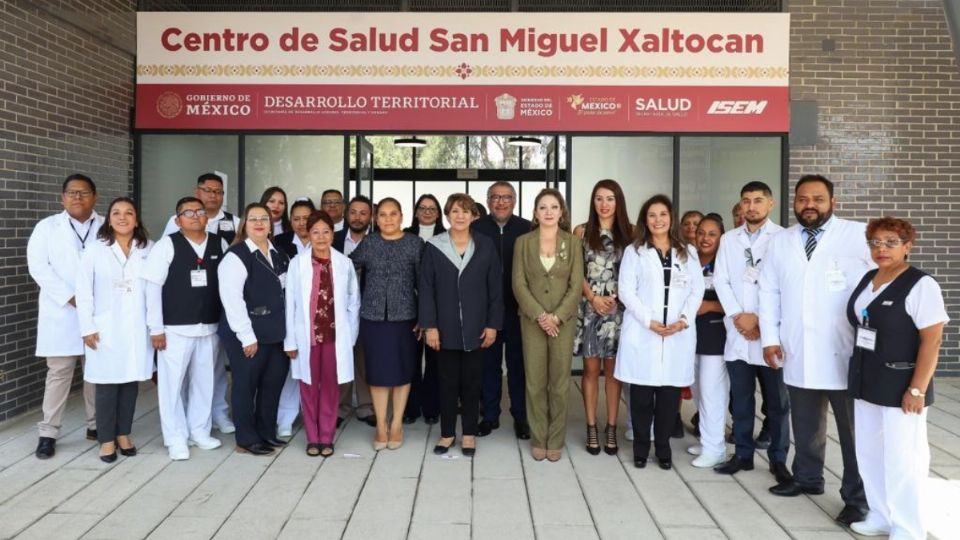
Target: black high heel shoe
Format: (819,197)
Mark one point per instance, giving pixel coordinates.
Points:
(109,458)
(440,449)
(129,452)
(593,440)
(611,447)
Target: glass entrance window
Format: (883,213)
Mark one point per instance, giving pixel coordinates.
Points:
(713,169)
(170,165)
(303,165)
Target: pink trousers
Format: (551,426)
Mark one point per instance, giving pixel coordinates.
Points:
(320,399)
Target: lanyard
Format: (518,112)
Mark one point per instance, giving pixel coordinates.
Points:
(123,264)
(83,240)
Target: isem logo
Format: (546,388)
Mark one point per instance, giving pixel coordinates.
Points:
(737,107)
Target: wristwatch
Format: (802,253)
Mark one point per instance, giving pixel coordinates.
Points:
(915,392)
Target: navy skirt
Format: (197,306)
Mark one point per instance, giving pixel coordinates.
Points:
(389,351)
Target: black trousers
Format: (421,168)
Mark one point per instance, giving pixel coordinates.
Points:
(257,383)
(115,404)
(657,404)
(743,407)
(424,387)
(461,383)
(808,410)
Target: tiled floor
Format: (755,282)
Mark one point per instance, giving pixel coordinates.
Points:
(411,493)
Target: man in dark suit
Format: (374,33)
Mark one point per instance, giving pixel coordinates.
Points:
(359,214)
(503,227)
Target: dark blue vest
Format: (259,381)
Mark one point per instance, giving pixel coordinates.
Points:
(881,376)
(263,294)
(182,303)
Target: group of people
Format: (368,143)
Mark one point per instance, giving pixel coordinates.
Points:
(323,313)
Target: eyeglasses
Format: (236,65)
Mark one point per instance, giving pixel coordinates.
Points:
(209,191)
(191,213)
(331,202)
(258,219)
(427,209)
(498,198)
(78,193)
(889,244)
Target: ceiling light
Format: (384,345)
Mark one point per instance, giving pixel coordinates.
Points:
(410,142)
(524,141)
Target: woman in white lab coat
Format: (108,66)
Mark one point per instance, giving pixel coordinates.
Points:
(320,363)
(111,306)
(661,286)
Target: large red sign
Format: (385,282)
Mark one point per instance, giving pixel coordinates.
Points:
(425,72)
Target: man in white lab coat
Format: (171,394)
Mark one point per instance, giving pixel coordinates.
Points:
(742,253)
(210,192)
(809,273)
(53,260)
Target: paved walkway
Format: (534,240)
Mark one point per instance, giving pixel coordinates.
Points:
(410,493)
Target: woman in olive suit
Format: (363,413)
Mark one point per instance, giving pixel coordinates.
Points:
(547,281)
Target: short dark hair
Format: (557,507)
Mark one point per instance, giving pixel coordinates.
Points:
(361,199)
(807,178)
(80,178)
(209,176)
(187,200)
(303,203)
(389,200)
(756,185)
(319,215)
(329,191)
(716,218)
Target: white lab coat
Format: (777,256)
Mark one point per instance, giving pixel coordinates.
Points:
(644,357)
(53,260)
(802,313)
(346,306)
(111,301)
(739,291)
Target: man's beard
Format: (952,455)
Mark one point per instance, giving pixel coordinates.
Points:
(816,222)
(358,228)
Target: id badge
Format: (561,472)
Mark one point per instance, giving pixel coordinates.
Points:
(198,278)
(752,275)
(226,225)
(708,282)
(124,286)
(866,338)
(836,281)
(680,281)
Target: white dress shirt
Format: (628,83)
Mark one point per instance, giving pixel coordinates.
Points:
(232,276)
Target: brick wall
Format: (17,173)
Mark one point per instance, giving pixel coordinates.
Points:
(889,124)
(65,96)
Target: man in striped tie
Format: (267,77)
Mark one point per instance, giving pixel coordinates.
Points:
(809,273)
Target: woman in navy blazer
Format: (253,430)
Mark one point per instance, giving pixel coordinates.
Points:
(461,309)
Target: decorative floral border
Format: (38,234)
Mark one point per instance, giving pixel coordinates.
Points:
(462,71)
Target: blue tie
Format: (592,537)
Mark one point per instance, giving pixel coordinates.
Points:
(811,241)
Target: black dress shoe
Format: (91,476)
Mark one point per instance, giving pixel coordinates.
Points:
(781,473)
(665,463)
(521,430)
(486,427)
(850,514)
(469,452)
(91,434)
(275,443)
(431,420)
(339,422)
(257,449)
(441,449)
(734,465)
(763,439)
(409,419)
(640,463)
(109,458)
(369,420)
(46,448)
(792,489)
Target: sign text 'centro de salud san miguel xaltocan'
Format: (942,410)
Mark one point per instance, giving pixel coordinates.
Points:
(476,72)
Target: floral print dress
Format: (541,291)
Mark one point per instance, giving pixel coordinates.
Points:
(598,336)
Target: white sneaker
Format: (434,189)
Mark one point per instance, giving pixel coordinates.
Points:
(204,442)
(695,450)
(707,462)
(225,427)
(178,452)
(629,434)
(865,528)
(284,431)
